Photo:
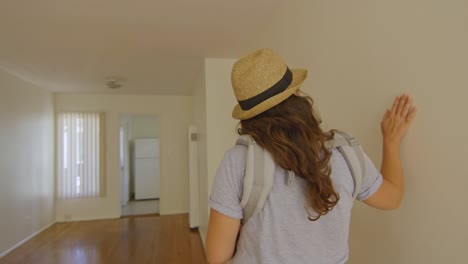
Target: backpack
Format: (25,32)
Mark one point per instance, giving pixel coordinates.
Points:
(260,169)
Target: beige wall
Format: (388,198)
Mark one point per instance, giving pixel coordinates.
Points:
(26,160)
(220,126)
(360,55)
(174,115)
(284,33)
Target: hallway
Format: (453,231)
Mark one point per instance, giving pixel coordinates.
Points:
(146,239)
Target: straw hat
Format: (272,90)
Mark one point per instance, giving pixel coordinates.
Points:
(260,81)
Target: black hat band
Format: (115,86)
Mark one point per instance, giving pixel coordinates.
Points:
(279,87)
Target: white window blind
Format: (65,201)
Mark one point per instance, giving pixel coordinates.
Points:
(80,155)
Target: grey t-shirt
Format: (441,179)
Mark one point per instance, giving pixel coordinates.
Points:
(281,232)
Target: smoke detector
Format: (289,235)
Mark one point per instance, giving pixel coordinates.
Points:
(114,83)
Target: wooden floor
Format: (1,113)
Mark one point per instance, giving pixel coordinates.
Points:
(145,239)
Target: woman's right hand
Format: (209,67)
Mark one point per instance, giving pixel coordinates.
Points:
(397,120)
(395,124)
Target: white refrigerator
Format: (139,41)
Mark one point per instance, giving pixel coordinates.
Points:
(147,175)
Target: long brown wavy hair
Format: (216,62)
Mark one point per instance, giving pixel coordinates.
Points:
(291,132)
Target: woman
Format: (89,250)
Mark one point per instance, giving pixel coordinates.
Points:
(306,221)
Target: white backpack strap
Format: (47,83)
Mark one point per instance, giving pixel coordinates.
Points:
(258,178)
(246,141)
(352,152)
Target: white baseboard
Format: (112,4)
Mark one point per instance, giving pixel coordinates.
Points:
(25,240)
(175,212)
(79,219)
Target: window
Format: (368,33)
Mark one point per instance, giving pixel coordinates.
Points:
(80,155)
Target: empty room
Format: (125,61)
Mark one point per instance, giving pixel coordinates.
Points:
(261,131)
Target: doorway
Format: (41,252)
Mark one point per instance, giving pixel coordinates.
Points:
(139,164)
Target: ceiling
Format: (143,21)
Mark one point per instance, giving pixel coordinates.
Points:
(157,47)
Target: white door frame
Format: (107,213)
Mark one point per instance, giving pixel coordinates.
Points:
(124,163)
(193,178)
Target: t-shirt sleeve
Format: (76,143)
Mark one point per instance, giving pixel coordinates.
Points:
(226,193)
(371,181)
